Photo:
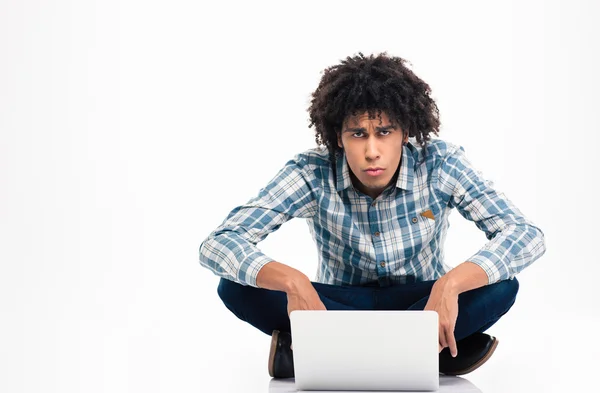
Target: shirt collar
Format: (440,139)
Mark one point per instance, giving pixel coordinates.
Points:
(405,175)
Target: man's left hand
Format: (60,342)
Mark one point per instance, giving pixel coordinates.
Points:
(444,300)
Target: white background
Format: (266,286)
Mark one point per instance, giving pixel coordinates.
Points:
(129,130)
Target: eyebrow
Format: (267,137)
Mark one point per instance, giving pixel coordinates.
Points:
(362,129)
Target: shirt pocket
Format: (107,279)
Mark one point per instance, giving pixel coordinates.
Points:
(416,227)
(416,231)
(424,222)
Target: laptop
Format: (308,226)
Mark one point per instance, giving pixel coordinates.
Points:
(365,349)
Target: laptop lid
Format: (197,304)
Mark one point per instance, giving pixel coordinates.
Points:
(365,349)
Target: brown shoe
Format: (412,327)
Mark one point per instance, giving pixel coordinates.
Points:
(281,359)
(473,351)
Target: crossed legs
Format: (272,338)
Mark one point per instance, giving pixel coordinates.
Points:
(266,310)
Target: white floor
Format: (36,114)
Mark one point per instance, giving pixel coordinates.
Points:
(532,356)
(447,384)
(188,351)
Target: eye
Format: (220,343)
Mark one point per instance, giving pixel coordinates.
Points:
(360,132)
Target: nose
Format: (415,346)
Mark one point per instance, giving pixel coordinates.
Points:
(372,149)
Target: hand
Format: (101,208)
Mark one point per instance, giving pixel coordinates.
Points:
(304,297)
(444,301)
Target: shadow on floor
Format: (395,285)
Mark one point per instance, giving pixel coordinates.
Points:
(447,384)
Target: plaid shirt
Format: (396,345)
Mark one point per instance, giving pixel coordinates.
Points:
(396,238)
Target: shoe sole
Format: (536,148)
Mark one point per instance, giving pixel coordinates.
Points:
(274,338)
(480,361)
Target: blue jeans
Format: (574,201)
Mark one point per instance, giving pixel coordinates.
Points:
(266,310)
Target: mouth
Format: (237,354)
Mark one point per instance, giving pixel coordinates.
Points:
(375,172)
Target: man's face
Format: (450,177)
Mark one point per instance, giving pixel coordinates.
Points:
(371,143)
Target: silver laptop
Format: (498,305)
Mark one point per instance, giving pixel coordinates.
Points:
(365,349)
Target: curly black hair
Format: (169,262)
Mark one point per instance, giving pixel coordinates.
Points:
(373,84)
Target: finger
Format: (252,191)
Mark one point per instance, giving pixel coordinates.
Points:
(452,343)
(443,339)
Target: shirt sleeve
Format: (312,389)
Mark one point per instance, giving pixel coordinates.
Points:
(514,241)
(230,250)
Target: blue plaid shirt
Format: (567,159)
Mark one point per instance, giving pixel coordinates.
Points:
(396,238)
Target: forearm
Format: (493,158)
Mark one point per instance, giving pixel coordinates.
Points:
(464,277)
(280,277)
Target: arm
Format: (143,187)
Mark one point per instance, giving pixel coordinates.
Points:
(230,251)
(280,277)
(463,278)
(514,241)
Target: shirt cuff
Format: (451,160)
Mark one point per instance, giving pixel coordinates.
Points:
(250,266)
(492,264)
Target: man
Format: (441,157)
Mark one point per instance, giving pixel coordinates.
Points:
(376,197)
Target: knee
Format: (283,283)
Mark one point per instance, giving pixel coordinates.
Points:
(508,289)
(513,286)
(228,290)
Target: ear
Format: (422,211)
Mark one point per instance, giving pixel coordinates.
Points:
(339,139)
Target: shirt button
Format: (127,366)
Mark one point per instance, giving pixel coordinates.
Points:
(374,203)
(414,219)
(376,233)
(382,264)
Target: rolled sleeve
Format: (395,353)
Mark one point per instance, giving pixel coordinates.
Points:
(231,256)
(514,241)
(231,250)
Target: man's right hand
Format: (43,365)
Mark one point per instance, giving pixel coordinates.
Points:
(301,294)
(304,296)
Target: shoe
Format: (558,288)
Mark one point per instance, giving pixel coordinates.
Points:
(473,351)
(281,359)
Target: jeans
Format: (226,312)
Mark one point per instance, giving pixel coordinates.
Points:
(266,310)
